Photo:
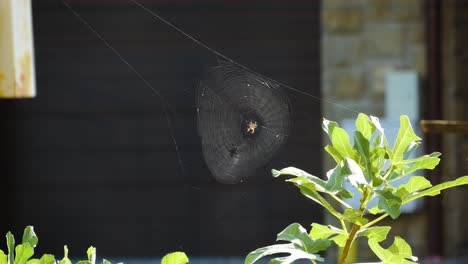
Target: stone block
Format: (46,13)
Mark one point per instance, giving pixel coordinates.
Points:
(383,41)
(342,20)
(349,86)
(342,51)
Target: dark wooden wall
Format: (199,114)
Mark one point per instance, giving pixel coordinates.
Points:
(90,160)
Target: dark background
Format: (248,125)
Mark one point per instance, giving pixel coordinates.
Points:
(90,160)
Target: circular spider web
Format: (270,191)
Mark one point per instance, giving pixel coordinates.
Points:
(243,120)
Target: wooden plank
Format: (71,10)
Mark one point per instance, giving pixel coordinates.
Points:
(17,75)
(444,126)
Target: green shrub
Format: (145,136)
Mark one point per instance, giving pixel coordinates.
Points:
(371,167)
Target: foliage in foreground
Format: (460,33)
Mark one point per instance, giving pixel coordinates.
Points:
(371,167)
(23,253)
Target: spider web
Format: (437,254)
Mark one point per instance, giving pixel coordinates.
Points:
(229,101)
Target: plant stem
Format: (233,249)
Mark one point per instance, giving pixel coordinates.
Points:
(340,201)
(373,222)
(349,242)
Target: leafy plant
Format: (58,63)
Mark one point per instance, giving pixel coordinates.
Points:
(371,167)
(22,253)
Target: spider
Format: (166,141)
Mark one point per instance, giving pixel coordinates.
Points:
(251,127)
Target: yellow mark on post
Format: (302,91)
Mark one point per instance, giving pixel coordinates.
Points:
(23,85)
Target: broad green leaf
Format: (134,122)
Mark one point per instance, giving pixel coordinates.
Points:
(410,149)
(23,253)
(333,153)
(354,216)
(405,136)
(389,203)
(309,191)
(3,257)
(47,259)
(175,258)
(33,261)
(65,259)
(380,139)
(340,141)
(428,162)
(83,262)
(388,256)
(319,231)
(435,190)
(379,233)
(340,240)
(365,126)
(375,210)
(296,234)
(293,251)
(356,176)
(91,252)
(105,261)
(11,247)
(362,146)
(415,183)
(335,179)
(328,126)
(320,184)
(29,236)
(401,248)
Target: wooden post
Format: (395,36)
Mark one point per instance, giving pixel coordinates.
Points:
(17,75)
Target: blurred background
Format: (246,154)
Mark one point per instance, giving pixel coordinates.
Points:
(90,160)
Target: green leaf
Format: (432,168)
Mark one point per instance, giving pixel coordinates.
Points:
(47,259)
(415,183)
(405,137)
(380,139)
(297,234)
(428,162)
(356,176)
(354,216)
(33,261)
(340,141)
(435,190)
(328,126)
(65,259)
(401,248)
(294,254)
(3,257)
(410,149)
(361,144)
(323,232)
(365,126)
(319,231)
(375,210)
(175,258)
(23,253)
(320,184)
(389,203)
(379,233)
(309,191)
(29,236)
(91,252)
(333,153)
(105,261)
(392,254)
(11,247)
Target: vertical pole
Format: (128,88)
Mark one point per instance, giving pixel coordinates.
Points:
(17,75)
(432,108)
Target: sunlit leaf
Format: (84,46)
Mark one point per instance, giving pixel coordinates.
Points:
(379,233)
(389,203)
(414,184)
(362,146)
(340,141)
(392,254)
(333,153)
(365,126)
(3,257)
(319,231)
(356,176)
(328,126)
(65,259)
(91,252)
(175,258)
(435,190)
(405,136)
(23,253)
(29,236)
(294,254)
(354,216)
(11,247)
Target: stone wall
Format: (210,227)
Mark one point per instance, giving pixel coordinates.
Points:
(362,40)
